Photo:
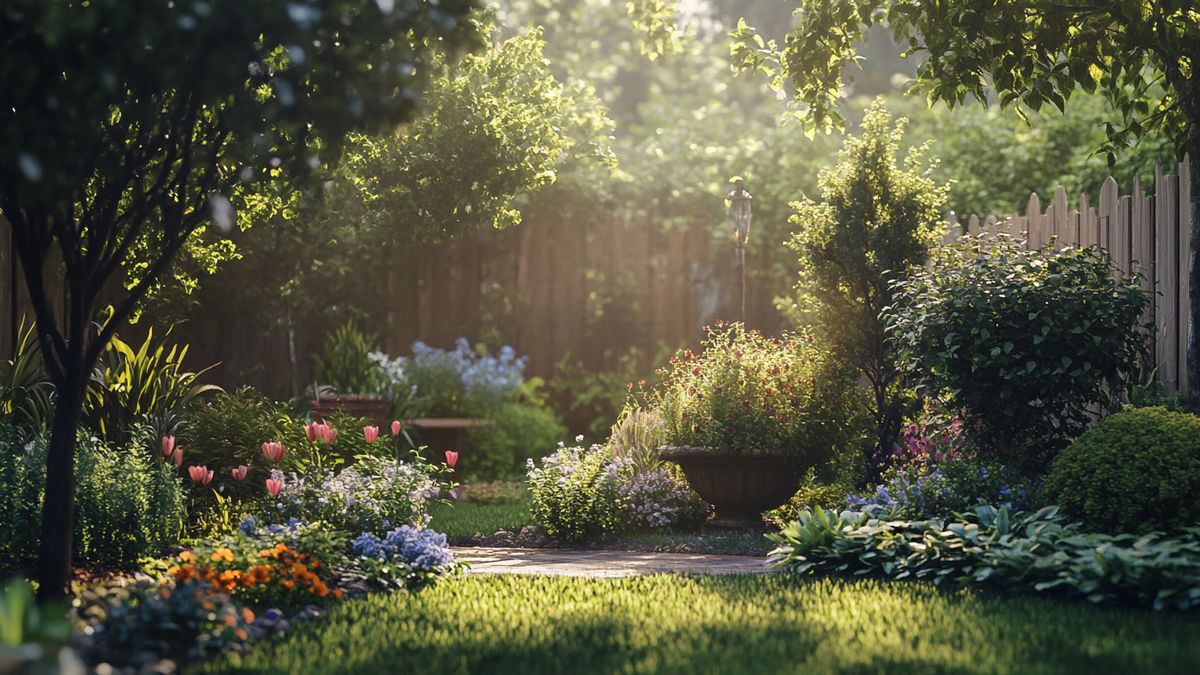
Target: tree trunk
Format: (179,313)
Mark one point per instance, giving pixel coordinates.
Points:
(1193,349)
(58,510)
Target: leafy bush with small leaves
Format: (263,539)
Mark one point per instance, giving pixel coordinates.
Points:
(1136,471)
(748,392)
(518,432)
(1027,342)
(576,493)
(128,505)
(587,493)
(811,494)
(1038,552)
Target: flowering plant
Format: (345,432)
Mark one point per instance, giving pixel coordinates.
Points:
(290,565)
(454,382)
(373,494)
(747,392)
(406,557)
(582,493)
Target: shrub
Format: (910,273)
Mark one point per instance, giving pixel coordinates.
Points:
(1136,471)
(1037,552)
(462,381)
(375,494)
(585,493)
(576,494)
(518,432)
(877,220)
(812,493)
(128,505)
(945,488)
(1026,342)
(748,392)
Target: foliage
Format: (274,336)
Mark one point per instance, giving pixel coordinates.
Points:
(929,490)
(406,558)
(25,628)
(875,223)
(282,566)
(591,401)
(636,438)
(736,624)
(346,364)
(586,494)
(1136,471)
(147,622)
(227,430)
(495,126)
(575,494)
(746,392)
(1025,341)
(143,385)
(25,391)
(811,494)
(374,494)
(518,432)
(463,381)
(1038,552)
(129,506)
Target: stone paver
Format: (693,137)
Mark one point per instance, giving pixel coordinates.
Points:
(572,563)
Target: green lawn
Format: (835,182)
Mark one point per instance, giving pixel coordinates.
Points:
(461,520)
(748,624)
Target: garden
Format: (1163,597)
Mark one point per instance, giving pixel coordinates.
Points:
(382,337)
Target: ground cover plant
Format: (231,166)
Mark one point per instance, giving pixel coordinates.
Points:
(744,624)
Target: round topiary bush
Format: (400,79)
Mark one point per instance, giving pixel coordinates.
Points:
(1136,471)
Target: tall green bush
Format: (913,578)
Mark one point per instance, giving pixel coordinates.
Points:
(1027,342)
(876,221)
(518,432)
(129,504)
(1136,471)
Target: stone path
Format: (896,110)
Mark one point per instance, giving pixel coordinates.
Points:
(571,563)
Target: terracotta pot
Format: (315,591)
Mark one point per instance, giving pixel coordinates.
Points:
(374,410)
(739,485)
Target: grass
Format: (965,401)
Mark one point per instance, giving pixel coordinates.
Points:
(744,624)
(463,520)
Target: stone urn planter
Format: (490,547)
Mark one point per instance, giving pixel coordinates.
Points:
(371,408)
(739,484)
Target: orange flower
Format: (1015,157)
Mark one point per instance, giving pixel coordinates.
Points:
(247,615)
(337,594)
(187,556)
(319,589)
(222,554)
(288,584)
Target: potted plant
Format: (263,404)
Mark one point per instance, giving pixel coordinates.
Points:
(350,379)
(747,416)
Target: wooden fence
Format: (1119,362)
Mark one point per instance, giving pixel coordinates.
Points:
(1144,234)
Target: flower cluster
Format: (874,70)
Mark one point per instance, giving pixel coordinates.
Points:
(419,549)
(659,499)
(581,493)
(924,490)
(374,494)
(462,380)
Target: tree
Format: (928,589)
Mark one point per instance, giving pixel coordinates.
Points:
(1141,55)
(133,123)
(876,221)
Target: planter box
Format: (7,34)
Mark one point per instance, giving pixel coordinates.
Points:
(740,485)
(440,434)
(374,410)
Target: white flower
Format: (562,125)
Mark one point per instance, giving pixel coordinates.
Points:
(579,438)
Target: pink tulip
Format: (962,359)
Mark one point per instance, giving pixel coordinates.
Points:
(168,445)
(371,433)
(200,474)
(310,431)
(274,485)
(395,427)
(451,458)
(239,473)
(273,451)
(177,456)
(328,433)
